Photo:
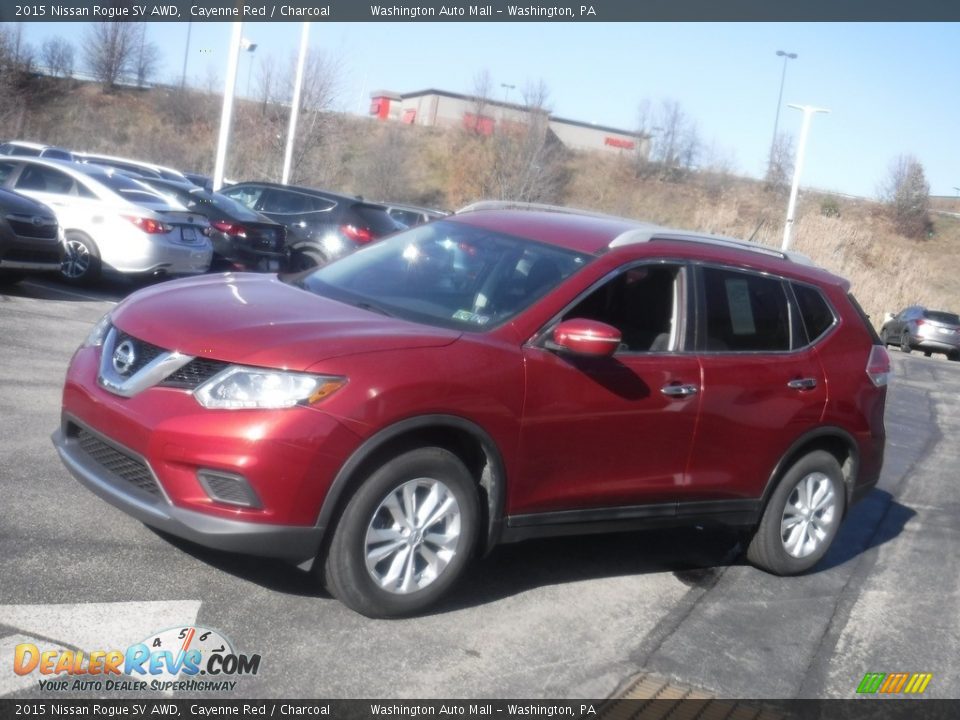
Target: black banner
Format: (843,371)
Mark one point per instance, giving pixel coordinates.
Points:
(860,709)
(492,11)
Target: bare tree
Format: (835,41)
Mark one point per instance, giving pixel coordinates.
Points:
(383,168)
(109,49)
(57,54)
(145,59)
(16,58)
(780,164)
(266,88)
(907,193)
(527,157)
(677,143)
(482,93)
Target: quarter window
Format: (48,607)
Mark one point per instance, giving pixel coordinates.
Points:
(816,314)
(744,312)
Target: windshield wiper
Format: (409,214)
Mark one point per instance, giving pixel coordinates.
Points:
(372,308)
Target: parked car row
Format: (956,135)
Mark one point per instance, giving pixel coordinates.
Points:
(139,218)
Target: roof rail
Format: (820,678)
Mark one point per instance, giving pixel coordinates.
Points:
(648,234)
(539,207)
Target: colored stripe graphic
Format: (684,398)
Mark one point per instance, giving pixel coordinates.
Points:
(894,683)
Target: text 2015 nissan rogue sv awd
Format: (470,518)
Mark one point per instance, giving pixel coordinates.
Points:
(497,375)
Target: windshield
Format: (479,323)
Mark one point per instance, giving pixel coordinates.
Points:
(447,274)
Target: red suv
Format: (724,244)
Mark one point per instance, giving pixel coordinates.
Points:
(500,374)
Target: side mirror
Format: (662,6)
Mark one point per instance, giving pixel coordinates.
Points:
(586,337)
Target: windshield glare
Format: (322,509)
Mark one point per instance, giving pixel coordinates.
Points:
(447,274)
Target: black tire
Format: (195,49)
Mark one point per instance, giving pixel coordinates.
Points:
(769,548)
(346,572)
(82,263)
(306,258)
(8,277)
(905,343)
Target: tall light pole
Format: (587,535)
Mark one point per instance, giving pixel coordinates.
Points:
(808,111)
(295,107)
(226,112)
(186,54)
(506,91)
(250,47)
(776,120)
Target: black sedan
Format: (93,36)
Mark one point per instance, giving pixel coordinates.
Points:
(242,238)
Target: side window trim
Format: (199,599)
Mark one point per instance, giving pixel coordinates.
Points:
(701,314)
(682,330)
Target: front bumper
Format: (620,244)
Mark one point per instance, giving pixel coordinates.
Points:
(294,543)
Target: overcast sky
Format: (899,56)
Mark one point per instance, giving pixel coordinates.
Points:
(891,88)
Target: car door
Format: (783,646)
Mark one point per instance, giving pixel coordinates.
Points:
(763,385)
(602,434)
(307,218)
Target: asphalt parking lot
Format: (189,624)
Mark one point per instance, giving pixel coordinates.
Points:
(563,618)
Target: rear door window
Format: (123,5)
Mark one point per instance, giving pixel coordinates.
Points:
(290,202)
(744,312)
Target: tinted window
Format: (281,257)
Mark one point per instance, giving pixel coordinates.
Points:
(129,189)
(5,170)
(641,303)
(44,179)
(247,195)
(290,202)
(814,310)
(373,217)
(407,217)
(744,312)
(23,151)
(944,317)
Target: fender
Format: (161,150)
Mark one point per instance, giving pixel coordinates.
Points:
(496,491)
(832,432)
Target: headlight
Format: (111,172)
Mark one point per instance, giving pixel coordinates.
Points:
(237,388)
(99,332)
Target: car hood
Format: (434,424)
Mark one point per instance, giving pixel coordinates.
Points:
(11,202)
(258,320)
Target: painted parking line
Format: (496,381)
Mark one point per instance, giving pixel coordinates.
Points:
(68,293)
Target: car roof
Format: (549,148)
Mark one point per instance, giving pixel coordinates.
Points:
(316,192)
(596,233)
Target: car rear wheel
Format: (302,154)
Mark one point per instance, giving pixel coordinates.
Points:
(81,263)
(405,536)
(802,517)
(306,258)
(905,343)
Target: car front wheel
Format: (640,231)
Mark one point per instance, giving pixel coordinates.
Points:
(405,536)
(802,517)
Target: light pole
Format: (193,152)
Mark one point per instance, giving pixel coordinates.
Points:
(226,112)
(295,106)
(250,48)
(808,111)
(776,120)
(506,91)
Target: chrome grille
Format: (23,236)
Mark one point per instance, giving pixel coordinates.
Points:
(194,373)
(120,464)
(145,352)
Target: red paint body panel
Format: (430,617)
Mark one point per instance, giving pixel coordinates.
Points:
(572,432)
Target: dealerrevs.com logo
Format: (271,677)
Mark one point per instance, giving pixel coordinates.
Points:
(184,659)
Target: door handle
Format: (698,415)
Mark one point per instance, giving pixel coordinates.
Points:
(802,384)
(679,390)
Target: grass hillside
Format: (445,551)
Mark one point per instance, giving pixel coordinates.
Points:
(853,238)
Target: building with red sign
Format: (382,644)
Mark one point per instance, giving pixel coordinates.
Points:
(446,109)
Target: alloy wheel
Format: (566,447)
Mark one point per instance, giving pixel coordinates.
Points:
(412,536)
(809,515)
(76,264)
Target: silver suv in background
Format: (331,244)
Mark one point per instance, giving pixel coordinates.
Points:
(917,328)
